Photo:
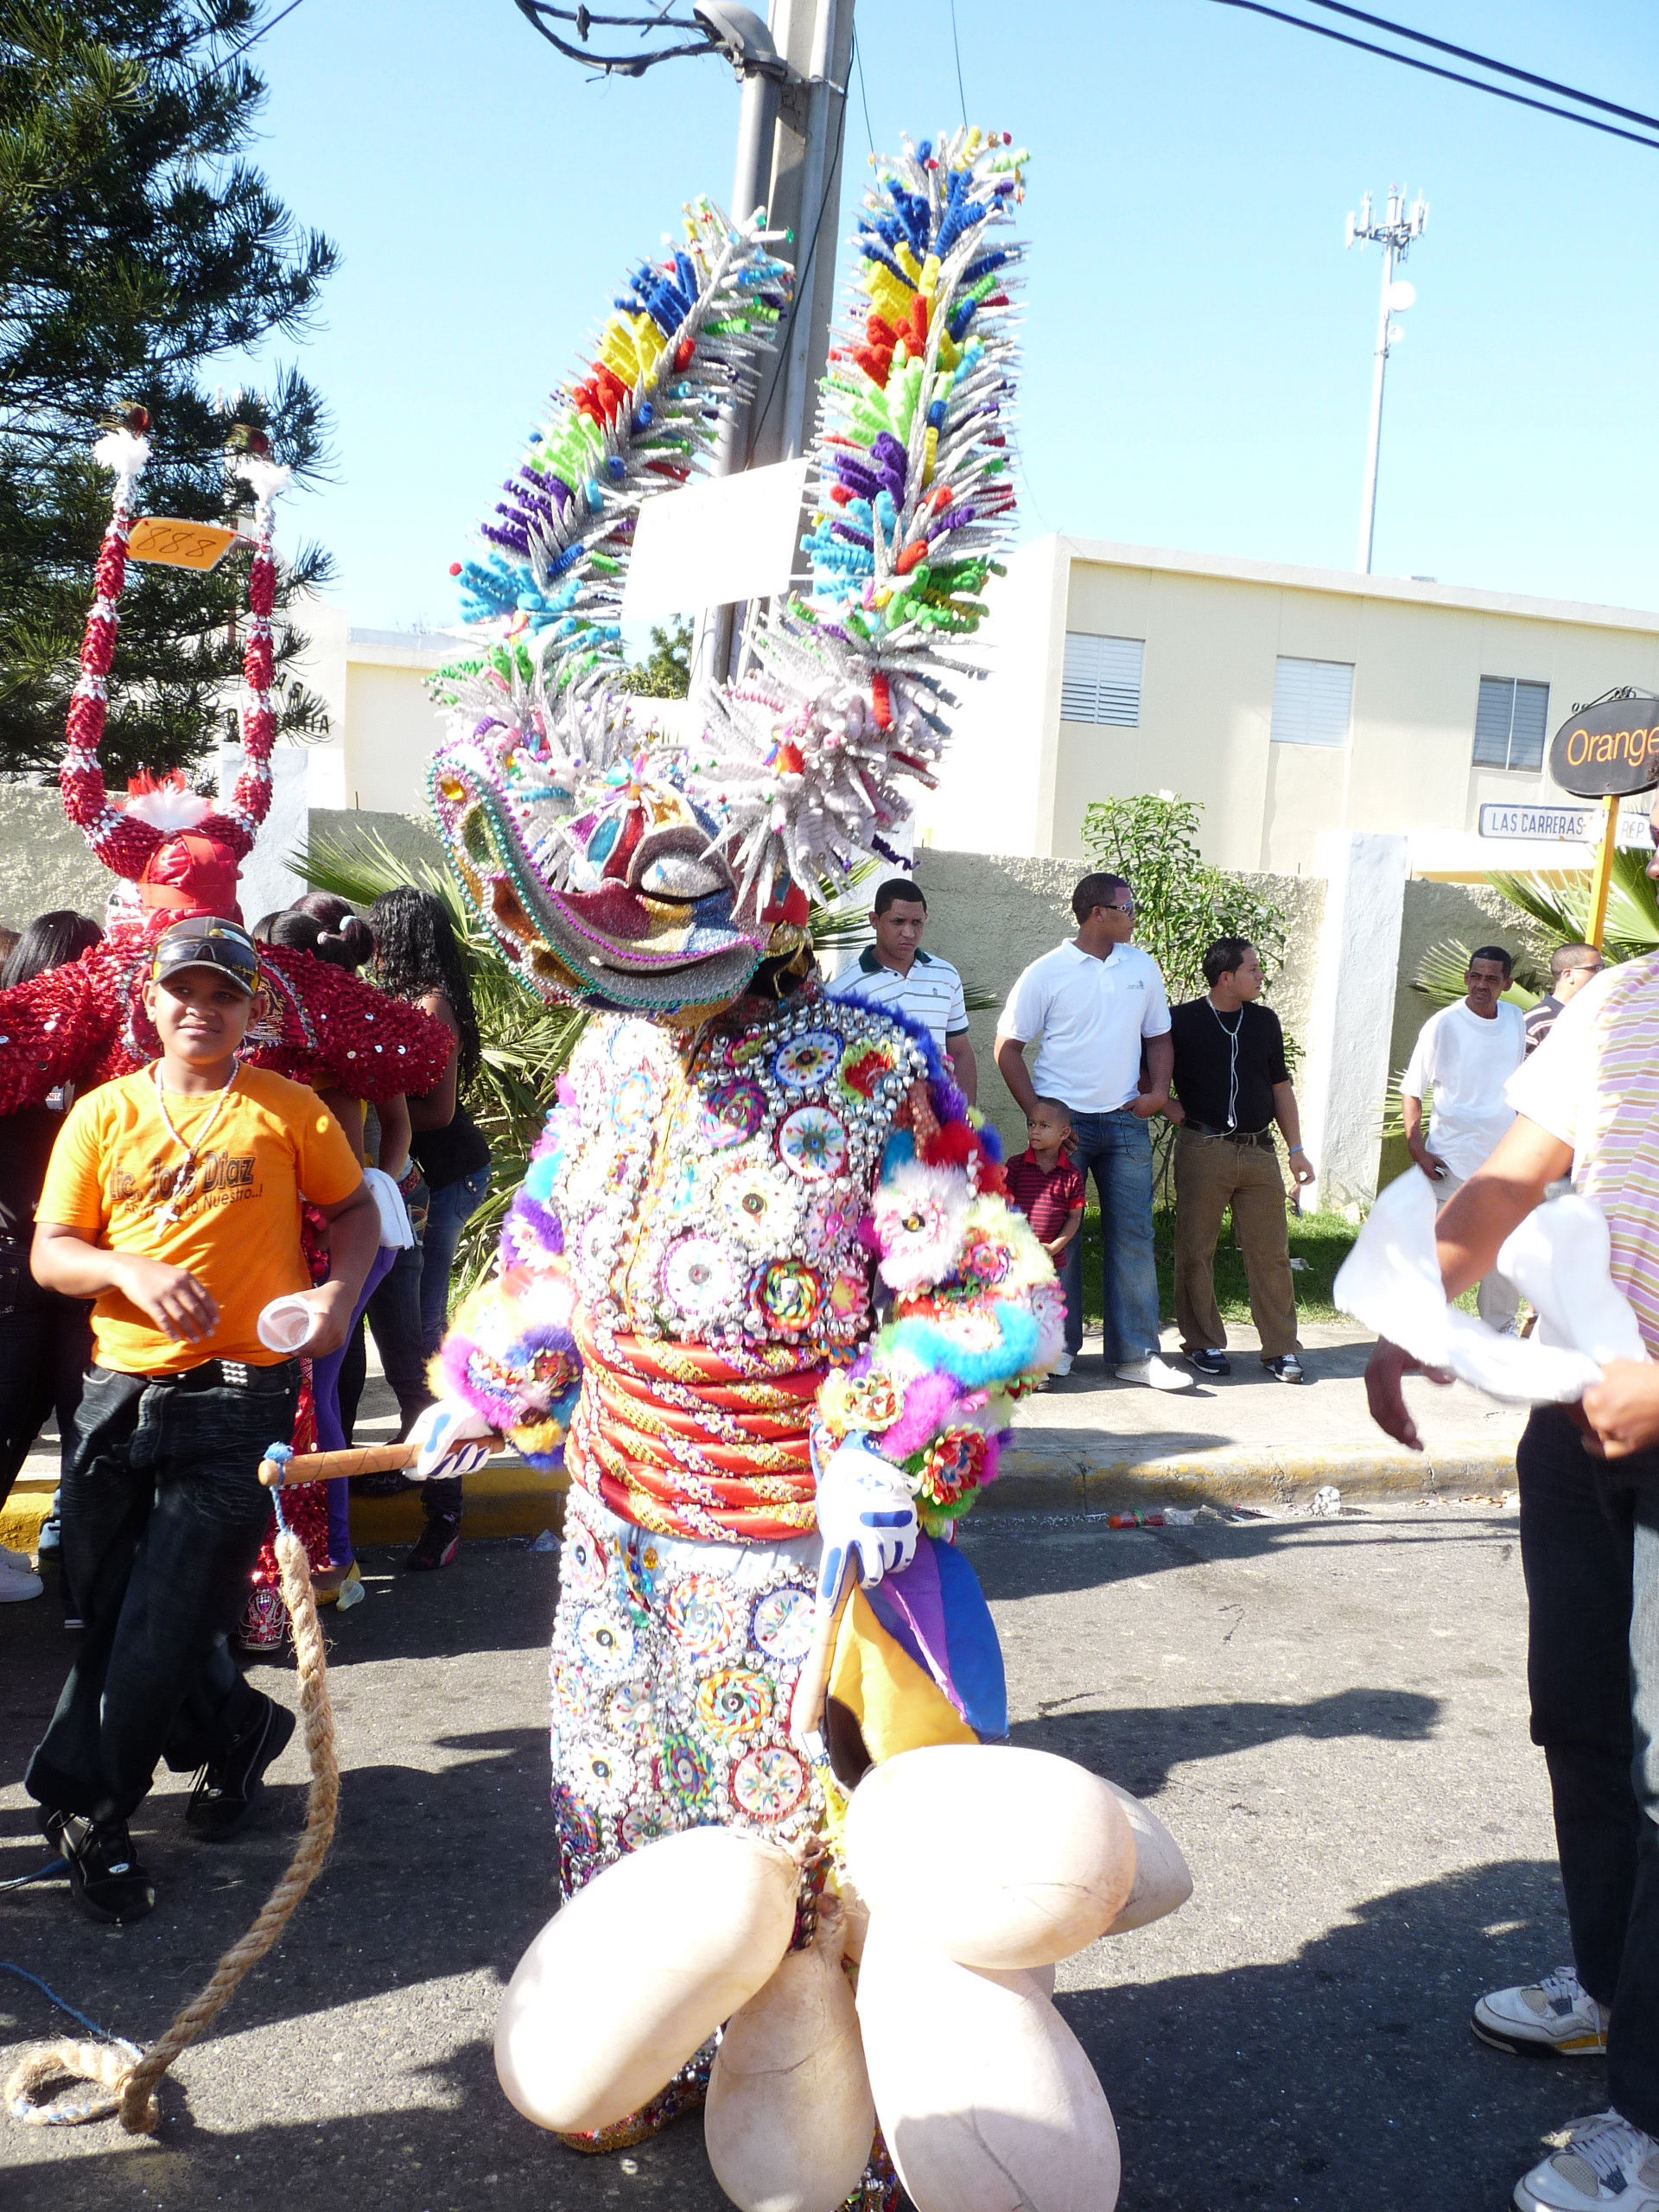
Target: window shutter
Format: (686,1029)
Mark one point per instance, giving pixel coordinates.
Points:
(1511,718)
(1531,717)
(1101,680)
(1311,701)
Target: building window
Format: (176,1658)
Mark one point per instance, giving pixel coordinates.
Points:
(1311,701)
(1102,679)
(1509,723)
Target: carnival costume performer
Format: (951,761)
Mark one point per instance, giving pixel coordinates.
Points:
(761,1285)
(174,853)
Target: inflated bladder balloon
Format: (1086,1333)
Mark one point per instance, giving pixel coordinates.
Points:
(630,1978)
(1163,1880)
(996,1857)
(986,2100)
(789,2119)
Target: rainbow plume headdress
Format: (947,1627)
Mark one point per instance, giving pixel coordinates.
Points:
(624,871)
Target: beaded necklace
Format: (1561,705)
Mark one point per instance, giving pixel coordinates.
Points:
(169,1212)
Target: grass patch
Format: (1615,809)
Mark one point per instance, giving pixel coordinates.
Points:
(1323,1240)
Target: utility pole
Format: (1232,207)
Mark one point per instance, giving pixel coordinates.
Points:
(789,161)
(1395,234)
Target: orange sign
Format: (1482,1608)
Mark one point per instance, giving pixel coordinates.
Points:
(179,544)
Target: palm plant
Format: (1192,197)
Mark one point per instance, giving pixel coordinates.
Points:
(1561,902)
(525,1041)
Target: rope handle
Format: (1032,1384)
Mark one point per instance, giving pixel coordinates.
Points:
(280,1468)
(812,1684)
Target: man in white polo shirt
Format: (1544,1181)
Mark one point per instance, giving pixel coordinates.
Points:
(895,973)
(1093,1004)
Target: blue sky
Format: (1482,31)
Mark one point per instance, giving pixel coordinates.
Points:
(1198,342)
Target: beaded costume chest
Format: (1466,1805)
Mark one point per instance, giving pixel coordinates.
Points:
(711,1187)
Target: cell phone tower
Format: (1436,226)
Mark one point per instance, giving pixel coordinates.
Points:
(1396,233)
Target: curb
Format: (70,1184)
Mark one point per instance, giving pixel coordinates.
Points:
(507,1498)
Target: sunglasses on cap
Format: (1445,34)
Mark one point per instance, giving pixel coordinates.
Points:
(206,941)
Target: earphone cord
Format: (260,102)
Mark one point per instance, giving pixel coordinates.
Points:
(1232,1061)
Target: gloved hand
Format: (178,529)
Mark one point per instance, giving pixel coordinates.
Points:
(443,1437)
(866,1513)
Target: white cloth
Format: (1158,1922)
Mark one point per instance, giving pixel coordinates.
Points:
(929,995)
(1465,1063)
(1558,1258)
(1090,1017)
(395,1229)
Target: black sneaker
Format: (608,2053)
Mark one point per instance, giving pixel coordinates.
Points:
(228,1791)
(1209,1362)
(436,1545)
(105,1875)
(1285,1369)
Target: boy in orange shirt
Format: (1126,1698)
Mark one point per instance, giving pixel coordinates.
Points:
(173,1200)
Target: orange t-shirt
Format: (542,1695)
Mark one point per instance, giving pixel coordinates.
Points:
(110,1179)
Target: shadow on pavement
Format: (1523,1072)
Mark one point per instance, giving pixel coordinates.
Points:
(1343,2077)
(1138,1747)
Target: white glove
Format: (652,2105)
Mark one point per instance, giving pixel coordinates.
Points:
(443,1438)
(865,1511)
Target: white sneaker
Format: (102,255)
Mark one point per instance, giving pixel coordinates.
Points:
(1607,2162)
(16,1583)
(1157,1374)
(1062,1366)
(17,1562)
(1552,2018)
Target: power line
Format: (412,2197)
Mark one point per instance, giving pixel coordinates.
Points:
(1485,61)
(252,39)
(955,44)
(1432,69)
(863,98)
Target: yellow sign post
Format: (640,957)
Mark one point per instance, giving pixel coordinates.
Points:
(1601,881)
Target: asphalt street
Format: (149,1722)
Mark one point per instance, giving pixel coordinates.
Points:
(1330,1715)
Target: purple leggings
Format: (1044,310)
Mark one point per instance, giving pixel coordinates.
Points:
(331,1436)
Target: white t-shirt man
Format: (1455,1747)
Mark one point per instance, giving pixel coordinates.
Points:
(1465,1061)
(1090,1017)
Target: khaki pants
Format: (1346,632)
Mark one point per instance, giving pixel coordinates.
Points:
(1211,1175)
(1497,1299)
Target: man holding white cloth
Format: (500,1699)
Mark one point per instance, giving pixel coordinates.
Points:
(1094,1003)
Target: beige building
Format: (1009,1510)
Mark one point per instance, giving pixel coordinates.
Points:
(383,725)
(1290,701)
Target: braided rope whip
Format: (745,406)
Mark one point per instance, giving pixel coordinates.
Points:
(126,2079)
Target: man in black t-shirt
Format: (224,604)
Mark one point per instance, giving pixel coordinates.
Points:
(1230,1086)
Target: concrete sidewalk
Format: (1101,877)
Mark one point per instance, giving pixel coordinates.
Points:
(1087,1443)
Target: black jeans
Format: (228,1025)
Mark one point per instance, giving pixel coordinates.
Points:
(164,1516)
(45,1344)
(1590,1547)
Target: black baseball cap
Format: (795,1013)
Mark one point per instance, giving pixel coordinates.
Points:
(204,941)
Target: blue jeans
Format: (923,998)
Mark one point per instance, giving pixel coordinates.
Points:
(1590,1547)
(1116,1150)
(454,1205)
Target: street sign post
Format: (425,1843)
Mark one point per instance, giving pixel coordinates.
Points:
(1608,750)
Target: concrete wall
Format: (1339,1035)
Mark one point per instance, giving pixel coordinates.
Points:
(44,862)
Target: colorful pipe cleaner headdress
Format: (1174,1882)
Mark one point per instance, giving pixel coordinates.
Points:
(179,849)
(619,869)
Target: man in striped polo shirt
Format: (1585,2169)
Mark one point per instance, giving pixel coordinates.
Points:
(1587,1100)
(895,973)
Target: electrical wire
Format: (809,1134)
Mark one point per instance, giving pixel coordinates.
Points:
(63,2005)
(863,98)
(252,39)
(1485,61)
(1432,69)
(955,44)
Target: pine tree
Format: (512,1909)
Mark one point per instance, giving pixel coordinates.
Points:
(137,246)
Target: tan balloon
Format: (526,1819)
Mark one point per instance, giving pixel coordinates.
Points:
(637,1971)
(1163,1880)
(986,2098)
(789,2119)
(997,1857)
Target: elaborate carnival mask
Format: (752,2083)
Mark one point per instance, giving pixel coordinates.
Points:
(617,866)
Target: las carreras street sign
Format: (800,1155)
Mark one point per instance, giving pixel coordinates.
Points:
(1569,824)
(1608,748)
